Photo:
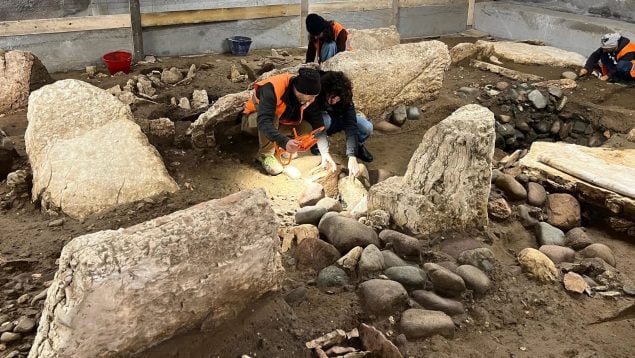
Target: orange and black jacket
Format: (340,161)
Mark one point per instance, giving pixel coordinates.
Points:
(275,98)
(337,33)
(625,52)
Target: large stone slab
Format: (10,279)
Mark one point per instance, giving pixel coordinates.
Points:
(118,292)
(20,73)
(373,39)
(601,178)
(382,80)
(87,153)
(447,183)
(524,53)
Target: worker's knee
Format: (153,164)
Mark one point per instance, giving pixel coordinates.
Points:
(365,126)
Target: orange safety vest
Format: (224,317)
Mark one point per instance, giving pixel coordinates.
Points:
(280,84)
(337,28)
(630,47)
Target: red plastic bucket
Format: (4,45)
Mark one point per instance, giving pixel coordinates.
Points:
(118,61)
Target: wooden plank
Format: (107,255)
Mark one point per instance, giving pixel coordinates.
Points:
(70,24)
(420,3)
(216,15)
(395,13)
(137,32)
(341,6)
(470,13)
(304,11)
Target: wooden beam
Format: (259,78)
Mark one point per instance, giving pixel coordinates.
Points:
(304,11)
(470,13)
(70,24)
(395,13)
(341,6)
(137,32)
(505,72)
(216,15)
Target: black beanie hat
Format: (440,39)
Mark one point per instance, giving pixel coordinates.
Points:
(315,24)
(308,82)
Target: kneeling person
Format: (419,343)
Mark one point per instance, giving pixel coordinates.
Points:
(616,57)
(277,105)
(338,112)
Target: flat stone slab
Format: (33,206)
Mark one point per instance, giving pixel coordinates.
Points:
(605,176)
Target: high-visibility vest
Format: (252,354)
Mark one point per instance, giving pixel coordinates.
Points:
(630,47)
(337,29)
(280,84)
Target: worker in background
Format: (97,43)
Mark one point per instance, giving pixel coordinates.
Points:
(326,38)
(338,113)
(277,105)
(616,59)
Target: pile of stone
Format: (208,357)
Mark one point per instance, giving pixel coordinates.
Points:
(563,250)
(20,311)
(395,274)
(398,118)
(527,113)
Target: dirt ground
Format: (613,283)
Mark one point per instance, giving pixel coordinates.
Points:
(517,318)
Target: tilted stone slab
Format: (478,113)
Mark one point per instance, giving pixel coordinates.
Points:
(87,153)
(447,183)
(118,292)
(408,74)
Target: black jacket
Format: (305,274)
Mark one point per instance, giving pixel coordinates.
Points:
(266,109)
(595,57)
(311,49)
(343,116)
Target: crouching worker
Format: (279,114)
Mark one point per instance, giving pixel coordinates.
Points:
(279,104)
(616,58)
(326,38)
(338,112)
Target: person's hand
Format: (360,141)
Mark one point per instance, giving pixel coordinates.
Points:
(604,78)
(583,72)
(292,146)
(328,163)
(353,167)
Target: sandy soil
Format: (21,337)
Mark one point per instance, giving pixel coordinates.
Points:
(518,318)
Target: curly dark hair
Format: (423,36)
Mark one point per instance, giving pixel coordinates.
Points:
(335,83)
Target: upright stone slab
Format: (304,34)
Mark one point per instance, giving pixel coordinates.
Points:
(224,109)
(20,73)
(118,292)
(87,153)
(399,75)
(447,183)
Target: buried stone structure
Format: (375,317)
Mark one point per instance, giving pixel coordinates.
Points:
(446,185)
(419,65)
(118,292)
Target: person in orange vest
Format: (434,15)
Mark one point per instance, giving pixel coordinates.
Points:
(616,58)
(326,38)
(278,104)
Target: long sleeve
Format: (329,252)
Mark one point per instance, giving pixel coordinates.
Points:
(314,117)
(341,40)
(266,115)
(593,59)
(310,51)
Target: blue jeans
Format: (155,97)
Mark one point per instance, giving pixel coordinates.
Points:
(622,68)
(328,50)
(364,127)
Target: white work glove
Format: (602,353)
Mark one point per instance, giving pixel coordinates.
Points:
(353,167)
(583,72)
(328,163)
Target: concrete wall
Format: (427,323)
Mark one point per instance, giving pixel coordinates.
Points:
(616,9)
(74,50)
(568,31)
(431,18)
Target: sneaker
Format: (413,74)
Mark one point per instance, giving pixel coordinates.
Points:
(364,154)
(270,164)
